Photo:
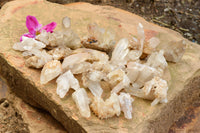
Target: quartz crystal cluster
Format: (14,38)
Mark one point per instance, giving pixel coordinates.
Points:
(85,65)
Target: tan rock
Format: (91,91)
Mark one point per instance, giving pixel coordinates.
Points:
(183,86)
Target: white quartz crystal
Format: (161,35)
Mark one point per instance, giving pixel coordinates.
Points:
(66,22)
(92,80)
(65,82)
(120,51)
(28,44)
(141,35)
(157,60)
(105,109)
(95,55)
(39,59)
(126,104)
(124,83)
(43,37)
(71,60)
(118,80)
(82,60)
(151,45)
(115,77)
(59,53)
(81,67)
(155,89)
(140,73)
(50,71)
(173,50)
(82,102)
(99,38)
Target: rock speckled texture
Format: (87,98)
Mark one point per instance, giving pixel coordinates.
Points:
(184,83)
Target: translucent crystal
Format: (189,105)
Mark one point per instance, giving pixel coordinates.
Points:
(157,60)
(105,109)
(126,104)
(141,35)
(95,54)
(136,44)
(140,73)
(50,71)
(115,77)
(82,60)
(124,83)
(120,51)
(133,55)
(66,22)
(92,81)
(71,60)
(39,60)
(28,44)
(155,89)
(60,52)
(43,37)
(81,67)
(66,81)
(82,102)
(151,45)
(99,38)
(173,51)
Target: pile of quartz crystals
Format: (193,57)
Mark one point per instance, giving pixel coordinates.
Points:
(123,70)
(49,46)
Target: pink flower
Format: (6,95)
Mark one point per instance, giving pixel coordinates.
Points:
(35,28)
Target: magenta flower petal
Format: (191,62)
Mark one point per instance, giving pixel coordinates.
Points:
(50,27)
(27,35)
(32,24)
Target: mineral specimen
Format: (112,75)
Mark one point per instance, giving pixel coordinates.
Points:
(101,62)
(39,60)
(173,50)
(92,80)
(71,60)
(65,82)
(151,45)
(155,89)
(99,38)
(126,104)
(105,109)
(50,71)
(28,44)
(82,101)
(59,53)
(120,52)
(140,73)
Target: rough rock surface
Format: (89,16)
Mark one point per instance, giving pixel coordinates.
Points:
(18,116)
(184,83)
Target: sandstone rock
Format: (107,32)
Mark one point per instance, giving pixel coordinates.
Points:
(184,88)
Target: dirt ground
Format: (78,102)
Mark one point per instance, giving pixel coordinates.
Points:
(10,120)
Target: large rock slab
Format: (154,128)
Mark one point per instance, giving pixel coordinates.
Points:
(184,85)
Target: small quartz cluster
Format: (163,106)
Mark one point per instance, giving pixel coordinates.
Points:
(97,59)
